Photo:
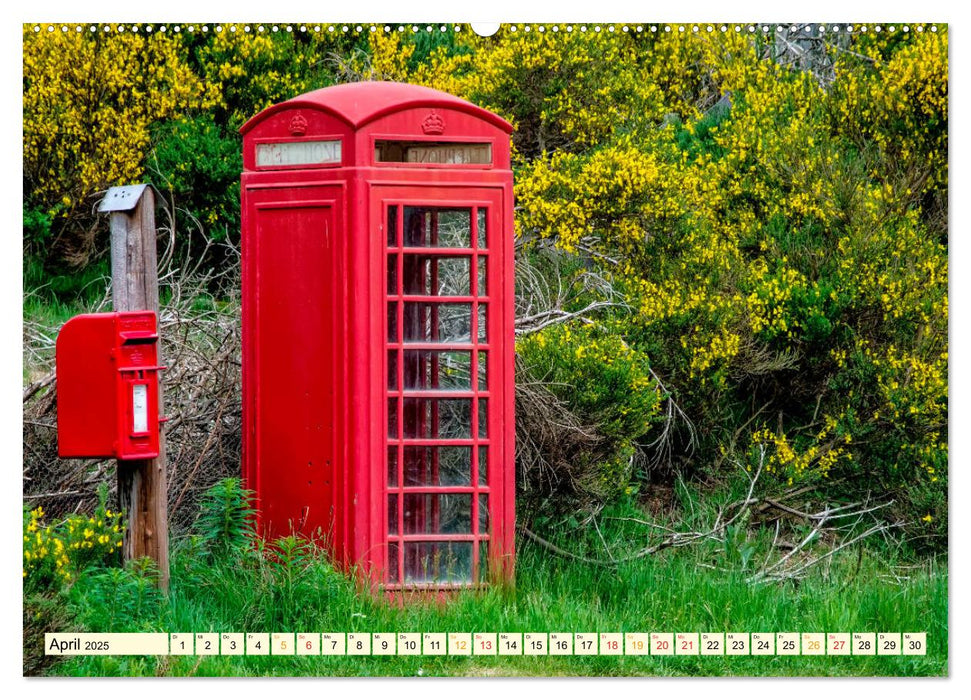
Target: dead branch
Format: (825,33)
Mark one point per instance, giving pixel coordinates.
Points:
(839,523)
(661,448)
(37,386)
(789,566)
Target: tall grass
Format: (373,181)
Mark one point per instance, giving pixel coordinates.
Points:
(246,588)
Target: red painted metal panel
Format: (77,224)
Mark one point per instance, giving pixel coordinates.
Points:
(294,333)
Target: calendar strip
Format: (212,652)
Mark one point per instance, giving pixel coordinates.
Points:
(673,644)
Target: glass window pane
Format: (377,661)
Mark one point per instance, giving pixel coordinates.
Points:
(483,465)
(393,514)
(483,418)
(482,277)
(483,371)
(433,322)
(438,562)
(392,275)
(483,560)
(481,221)
(393,465)
(436,275)
(392,322)
(393,227)
(445,465)
(437,418)
(483,309)
(443,370)
(483,514)
(437,227)
(438,513)
(393,369)
(393,418)
(393,573)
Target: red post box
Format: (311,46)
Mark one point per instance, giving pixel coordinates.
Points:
(107,386)
(378,331)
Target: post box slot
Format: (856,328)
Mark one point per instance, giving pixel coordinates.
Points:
(132,339)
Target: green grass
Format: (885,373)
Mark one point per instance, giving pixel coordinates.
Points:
(694,589)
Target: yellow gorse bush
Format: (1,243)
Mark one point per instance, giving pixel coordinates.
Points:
(796,229)
(59,551)
(89,101)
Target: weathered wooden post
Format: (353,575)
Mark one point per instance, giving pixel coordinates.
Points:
(142,483)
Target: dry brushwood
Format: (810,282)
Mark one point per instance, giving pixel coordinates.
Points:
(545,297)
(554,451)
(833,529)
(559,455)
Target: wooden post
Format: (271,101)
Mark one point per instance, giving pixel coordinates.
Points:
(142,483)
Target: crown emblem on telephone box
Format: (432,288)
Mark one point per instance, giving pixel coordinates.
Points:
(298,125)
(433,124)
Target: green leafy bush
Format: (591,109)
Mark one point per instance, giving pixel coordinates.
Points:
(198,163)
(225,522)
(607,386)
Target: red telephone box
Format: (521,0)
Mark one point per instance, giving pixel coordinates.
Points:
(377,234)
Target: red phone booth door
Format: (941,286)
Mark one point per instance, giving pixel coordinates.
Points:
(442,387)
(294,360)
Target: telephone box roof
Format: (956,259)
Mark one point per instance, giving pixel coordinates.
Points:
(360,103)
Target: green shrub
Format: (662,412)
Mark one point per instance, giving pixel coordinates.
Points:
(198,162)
(225,522)
(607,386)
